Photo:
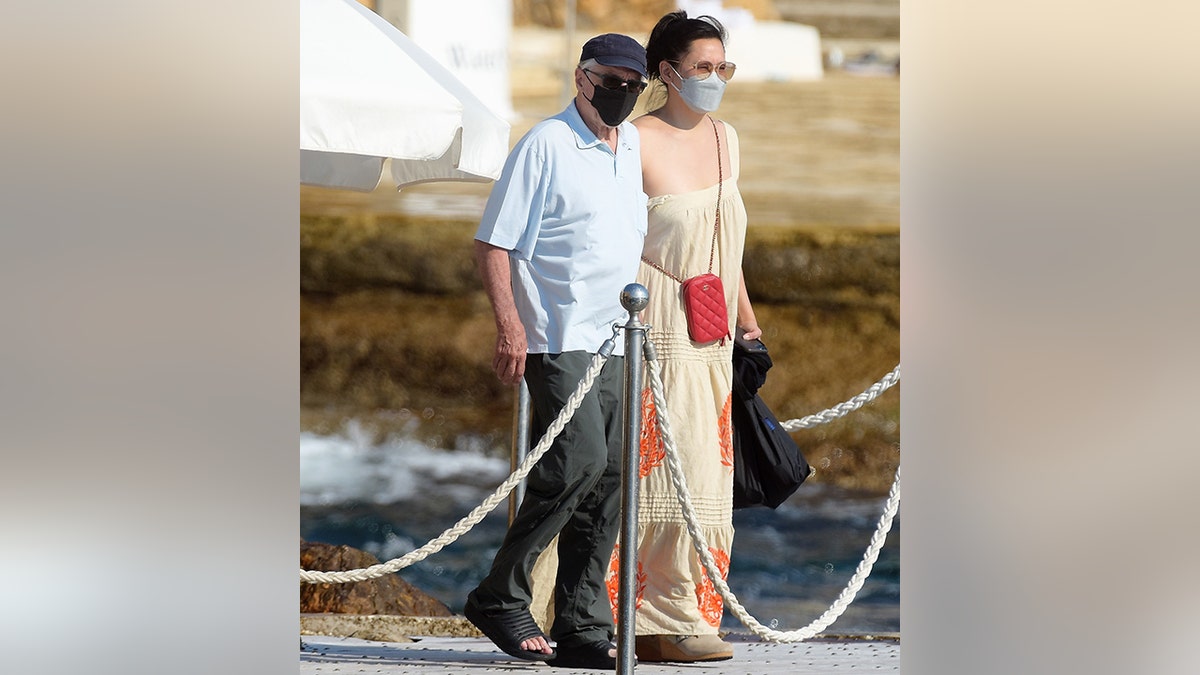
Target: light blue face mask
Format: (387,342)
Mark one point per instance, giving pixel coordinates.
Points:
(702,95)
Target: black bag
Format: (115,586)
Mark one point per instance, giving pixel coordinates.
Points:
(767,464)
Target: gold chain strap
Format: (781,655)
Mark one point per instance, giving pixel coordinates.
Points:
(717,226)
(720,181)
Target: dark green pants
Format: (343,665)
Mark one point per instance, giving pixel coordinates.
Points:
(573,492)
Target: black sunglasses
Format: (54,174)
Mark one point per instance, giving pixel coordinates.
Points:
(617,84)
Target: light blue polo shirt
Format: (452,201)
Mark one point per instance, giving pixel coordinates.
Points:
(572,215)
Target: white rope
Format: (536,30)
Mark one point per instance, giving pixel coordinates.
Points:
(477,514)
(850,406)
(701,544)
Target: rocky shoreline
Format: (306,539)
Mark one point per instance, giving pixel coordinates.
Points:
(396,332)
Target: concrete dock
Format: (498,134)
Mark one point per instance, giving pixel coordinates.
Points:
(458,655)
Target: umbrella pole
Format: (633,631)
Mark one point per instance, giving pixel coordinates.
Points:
(520,447)
(568,90)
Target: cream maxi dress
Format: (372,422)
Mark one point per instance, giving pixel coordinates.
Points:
(674,595)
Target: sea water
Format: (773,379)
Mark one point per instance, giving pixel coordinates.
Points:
(389,498)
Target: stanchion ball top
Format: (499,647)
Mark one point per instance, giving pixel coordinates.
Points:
(635,297)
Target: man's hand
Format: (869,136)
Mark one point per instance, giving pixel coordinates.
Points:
(509,360)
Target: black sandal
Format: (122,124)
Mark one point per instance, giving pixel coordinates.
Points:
(594,655)
(508,628)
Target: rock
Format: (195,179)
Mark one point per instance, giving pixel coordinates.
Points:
(386,628)
(386,595)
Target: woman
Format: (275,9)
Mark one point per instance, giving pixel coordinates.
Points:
(697,224)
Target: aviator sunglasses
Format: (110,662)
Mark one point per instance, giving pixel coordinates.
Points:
(615,83)
(724,69)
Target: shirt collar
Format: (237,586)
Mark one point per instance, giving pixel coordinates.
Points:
(584,138)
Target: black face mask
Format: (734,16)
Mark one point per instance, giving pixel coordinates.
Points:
(613,105)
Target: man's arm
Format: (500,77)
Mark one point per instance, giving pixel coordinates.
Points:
(509,359)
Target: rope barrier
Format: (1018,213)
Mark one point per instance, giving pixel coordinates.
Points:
(477,514)
(701,544)
(673,462)
(850,406)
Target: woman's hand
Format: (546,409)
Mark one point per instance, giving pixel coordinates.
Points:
(753,332)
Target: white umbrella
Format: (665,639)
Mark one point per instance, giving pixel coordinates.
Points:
(369,93)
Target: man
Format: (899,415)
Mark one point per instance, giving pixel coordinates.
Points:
(560,237)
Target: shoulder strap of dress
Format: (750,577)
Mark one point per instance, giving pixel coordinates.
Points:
(731,139)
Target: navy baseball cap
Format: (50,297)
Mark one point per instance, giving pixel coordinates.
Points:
(614,49)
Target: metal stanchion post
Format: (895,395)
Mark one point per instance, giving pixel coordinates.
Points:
(520,447)
(634,298)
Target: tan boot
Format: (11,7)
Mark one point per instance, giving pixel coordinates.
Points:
(682,648)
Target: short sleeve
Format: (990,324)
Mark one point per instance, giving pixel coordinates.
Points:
(513,214)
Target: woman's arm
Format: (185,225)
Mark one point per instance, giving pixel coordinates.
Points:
(745,312)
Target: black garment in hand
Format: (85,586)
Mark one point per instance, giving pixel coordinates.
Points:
(768,466)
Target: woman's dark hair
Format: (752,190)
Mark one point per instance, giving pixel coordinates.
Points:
(673,36)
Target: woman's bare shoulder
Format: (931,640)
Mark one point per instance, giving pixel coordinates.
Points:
(650,125)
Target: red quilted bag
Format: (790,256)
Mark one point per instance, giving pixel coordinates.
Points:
(704,305)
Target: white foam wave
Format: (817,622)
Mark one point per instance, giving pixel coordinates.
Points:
(392,546)
(350,467)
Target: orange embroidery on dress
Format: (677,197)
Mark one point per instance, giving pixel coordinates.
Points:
(612,581)
(708,599)
(641,586)
(725,433)
(650,445)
